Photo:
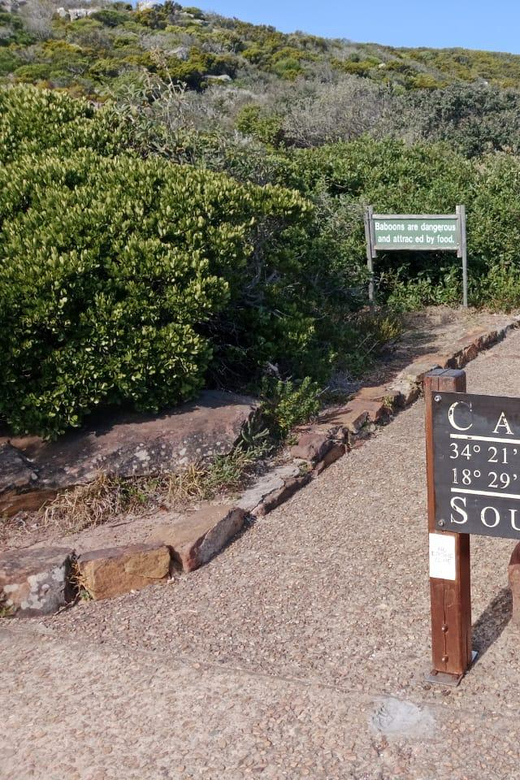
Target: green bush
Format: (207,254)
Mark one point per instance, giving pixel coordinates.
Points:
(104,284)
(109,269)
(261,125)
(110,17)
(474,118)
(8,62)
(500,288)
(12,30)
(34,72)
(34,120)
(120,277)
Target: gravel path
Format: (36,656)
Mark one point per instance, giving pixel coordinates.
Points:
(299,652)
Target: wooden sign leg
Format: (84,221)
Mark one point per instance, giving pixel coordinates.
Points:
(450,599)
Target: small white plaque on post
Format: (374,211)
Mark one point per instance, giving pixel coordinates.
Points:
(442,557)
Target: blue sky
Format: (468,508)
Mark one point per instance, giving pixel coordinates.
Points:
(473,24)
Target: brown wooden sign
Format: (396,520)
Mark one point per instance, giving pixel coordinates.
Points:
(476,464)
(450,590)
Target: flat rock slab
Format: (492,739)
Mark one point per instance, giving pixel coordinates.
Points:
(130,445)
(268,485)
(16,474)
(107,573)
(201,534)
(35,582)
(312,446)
(15,469)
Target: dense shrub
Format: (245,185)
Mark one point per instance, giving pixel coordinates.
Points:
(109,269)
(103,235)
(473,118)
(423,178)
(261,125)
(8,62)
(334,112)
(34,120)
(100,296)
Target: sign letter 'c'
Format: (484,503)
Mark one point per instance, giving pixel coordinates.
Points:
(451,415)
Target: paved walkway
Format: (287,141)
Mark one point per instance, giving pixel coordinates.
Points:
(299,652)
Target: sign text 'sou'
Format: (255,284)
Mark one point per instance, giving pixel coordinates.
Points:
(476,440)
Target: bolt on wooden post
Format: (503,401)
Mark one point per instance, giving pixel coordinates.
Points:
(450,597)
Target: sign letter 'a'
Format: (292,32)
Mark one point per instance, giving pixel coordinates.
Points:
(476,440)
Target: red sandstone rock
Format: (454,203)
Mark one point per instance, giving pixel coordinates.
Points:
(123,445)
(201,534)
(279,497)
(408,392)
(17,474)
(112,572)
(312,446)
(387,394)
(331,457)
(417,370)
(470,352)
(353,419)
(375,410)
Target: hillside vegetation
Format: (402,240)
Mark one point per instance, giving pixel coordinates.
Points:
(182,199)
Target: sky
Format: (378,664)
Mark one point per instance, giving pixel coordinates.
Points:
(492,25)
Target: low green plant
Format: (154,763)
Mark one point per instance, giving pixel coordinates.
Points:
(428,288)
(373,332)
(264,126)
(6,611)
(500,289)
(287,403)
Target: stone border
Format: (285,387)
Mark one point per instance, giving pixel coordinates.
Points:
(40,581)
(336,433)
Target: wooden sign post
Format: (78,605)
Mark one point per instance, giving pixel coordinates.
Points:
(473,462)
(416,233)
(450,590)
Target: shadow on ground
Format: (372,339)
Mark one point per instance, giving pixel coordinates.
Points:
(492,621)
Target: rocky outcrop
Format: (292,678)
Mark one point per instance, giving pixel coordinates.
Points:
(131,445)
(16,471)
(18,482)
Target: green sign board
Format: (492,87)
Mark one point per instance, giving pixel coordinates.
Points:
(416,233)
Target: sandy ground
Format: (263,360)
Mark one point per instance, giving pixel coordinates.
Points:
(299,652)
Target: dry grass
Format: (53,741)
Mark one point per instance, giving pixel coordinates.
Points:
(86,505)
(109,497)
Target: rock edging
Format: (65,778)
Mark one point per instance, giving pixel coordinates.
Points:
(40,581)
(337,432)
